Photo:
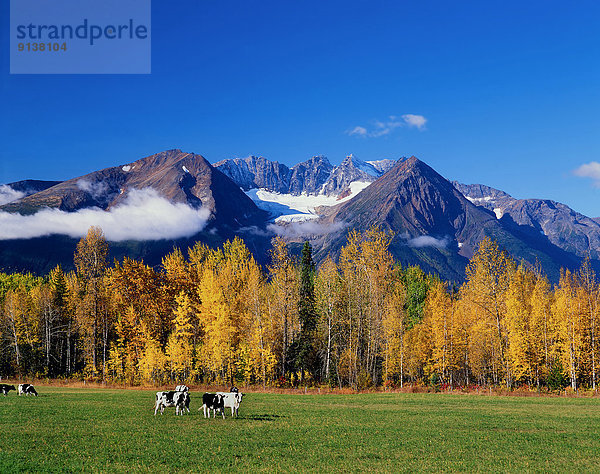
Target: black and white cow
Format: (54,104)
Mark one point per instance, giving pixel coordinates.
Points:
(27,389)
(232,400)
(182,388)
(179,400)
(6,388)
(214,402)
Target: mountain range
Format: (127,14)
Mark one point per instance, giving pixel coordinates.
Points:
(181,198)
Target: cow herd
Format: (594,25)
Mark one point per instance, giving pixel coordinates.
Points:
(24,389)
(215,402)
(178,398)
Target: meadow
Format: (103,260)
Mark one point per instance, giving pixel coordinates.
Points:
(75,429)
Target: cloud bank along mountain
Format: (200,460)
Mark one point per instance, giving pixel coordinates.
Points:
(15,191)
(143,215)
(8,194)
(306,229)
(170,195)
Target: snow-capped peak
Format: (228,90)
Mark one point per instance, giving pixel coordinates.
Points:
(363,166)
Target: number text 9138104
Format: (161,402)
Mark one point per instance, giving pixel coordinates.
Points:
(42,47)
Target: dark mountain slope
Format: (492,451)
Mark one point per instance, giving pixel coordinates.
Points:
(435,226)
(177,176)
(562,226)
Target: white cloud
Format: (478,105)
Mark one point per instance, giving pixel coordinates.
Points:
(417,121)
(97,190)
(144,215)
(428,241)
(358,130)
(589,170)
(386,127)
(8,194)
(305,229)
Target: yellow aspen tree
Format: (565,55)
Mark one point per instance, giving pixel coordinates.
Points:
(366,267)
(283,276)
(418,352)
(394,327)
(15,308)
(258,341)
(153,361)
(91,262)
(43,298)
(439,316)
(328,293)
(462,338)
(567,310)
(488,275)
(544,342)
(177,273)
(589,293)
(518,324)
(216,352)
(378,270)
(179,347)
(478,353)
(128,350)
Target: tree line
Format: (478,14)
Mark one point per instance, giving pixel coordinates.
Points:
(362,320)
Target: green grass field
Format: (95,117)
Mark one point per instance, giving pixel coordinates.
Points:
(67,429)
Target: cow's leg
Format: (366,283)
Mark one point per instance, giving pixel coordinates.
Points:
(156,408)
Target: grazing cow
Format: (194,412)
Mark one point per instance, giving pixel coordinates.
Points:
(186,401)
(6,388)
(214,402)
(27,389)
(179,400)
(232,400)
(182,388)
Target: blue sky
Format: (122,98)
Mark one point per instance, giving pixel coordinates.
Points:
(510,92)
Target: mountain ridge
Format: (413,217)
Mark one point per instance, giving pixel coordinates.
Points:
(437,223)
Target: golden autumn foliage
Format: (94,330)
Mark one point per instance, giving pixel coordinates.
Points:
(215,315)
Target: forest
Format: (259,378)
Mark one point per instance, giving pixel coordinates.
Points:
(359,321)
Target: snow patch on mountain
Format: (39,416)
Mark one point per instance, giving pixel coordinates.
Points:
(291,208)
(480,200)
(355,188)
